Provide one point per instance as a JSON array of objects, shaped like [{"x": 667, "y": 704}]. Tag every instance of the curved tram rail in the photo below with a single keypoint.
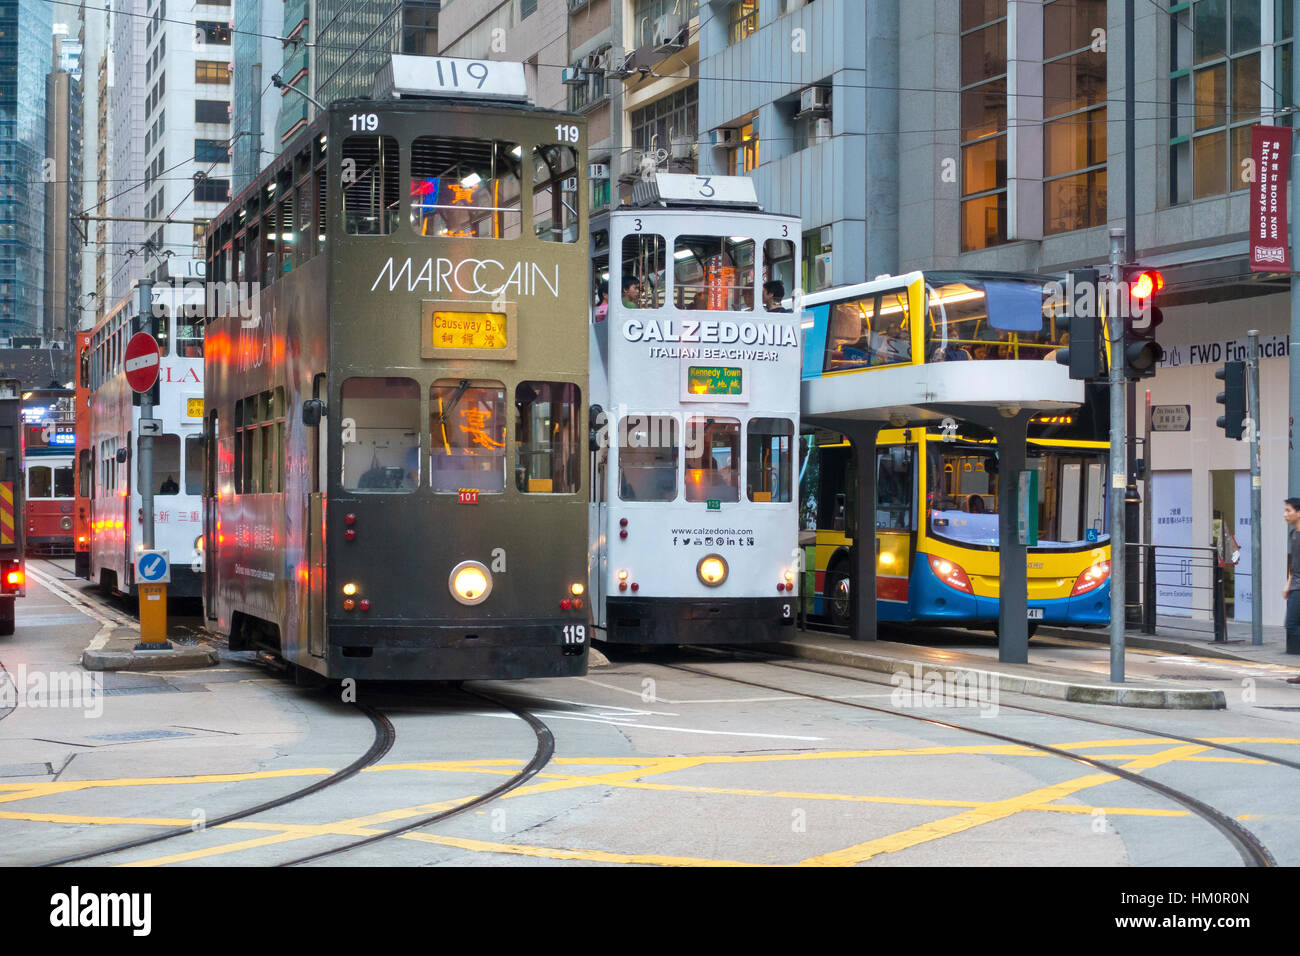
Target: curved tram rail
[{"x": 1251, "y": 850}]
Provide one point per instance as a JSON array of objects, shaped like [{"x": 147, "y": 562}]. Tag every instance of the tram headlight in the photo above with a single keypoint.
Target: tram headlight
[
  {"x": 198, "y": 543},
  {"x": 1091, "y": 579},
  {"x": 470, "y": 582},
  {"x": 712, "y": 570}
]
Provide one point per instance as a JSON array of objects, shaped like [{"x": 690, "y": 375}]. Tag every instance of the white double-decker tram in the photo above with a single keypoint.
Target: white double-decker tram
[
  {"x": 695, "y": 418},
  {"x": 116, "y": 510}
]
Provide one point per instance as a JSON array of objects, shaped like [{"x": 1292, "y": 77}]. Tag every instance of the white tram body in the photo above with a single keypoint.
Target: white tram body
[
  {"x": 695, "y": 418},
  {"x": 117, "y": 514}
]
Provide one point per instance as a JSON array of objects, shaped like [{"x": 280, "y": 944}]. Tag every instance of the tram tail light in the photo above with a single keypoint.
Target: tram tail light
[
  {"x": 14, "y": 579},
  {"x": 950, "y": 574},
  {"x": 364, "y": 604},
  {"x": 1091, "y": 579},
  {"x": 349, "y": 604},
  {"x": 566, "y": 604},
  {"x": 577, "y": 588}
]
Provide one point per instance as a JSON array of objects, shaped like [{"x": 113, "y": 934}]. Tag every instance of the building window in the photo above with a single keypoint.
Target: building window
[
  {"x": 210, "y": 31},
  {"x": 211, "y": 151},
  {"x": 211, "y": 111},
  {"x": 590, "y": 92},
  {"x": 817, "y": 273},
  {"x": 1231, "y": 64},
  {"x": 420, "y": 27},
  {"x": 744, "y": 158},
  {"x": 743, "y": 17},
  {"x": 670, "y": 120},
  {"x": 647, "y": 13},
  {"x": 211, "y": 71},
  {"x": 1074, "y": 114},
  {"x": 527, "y": 8},
  {"x": 983, "y": 123},
  {"x": 212, "y": 190}
]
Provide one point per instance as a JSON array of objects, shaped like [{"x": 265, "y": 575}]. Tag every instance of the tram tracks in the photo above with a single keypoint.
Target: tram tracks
[{"x": 1252, "y": 852}]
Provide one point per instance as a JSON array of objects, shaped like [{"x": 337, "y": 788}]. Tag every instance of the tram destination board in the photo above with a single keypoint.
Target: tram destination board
[
  {"x": 1171, "y": 418},
  {"x": 714, "y": 380}
]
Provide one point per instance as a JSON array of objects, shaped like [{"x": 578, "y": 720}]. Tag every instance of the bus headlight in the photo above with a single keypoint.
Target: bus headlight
[
  {"x": 1091, "y": 579},
  {"x": 712, "y": 570},
  {"x": 470, "y": 582}
]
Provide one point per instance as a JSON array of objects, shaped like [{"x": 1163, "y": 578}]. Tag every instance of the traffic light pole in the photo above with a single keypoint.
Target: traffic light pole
[
  {"x": 1118, "y": 458},
  {"x": 1256, "y": 505}
]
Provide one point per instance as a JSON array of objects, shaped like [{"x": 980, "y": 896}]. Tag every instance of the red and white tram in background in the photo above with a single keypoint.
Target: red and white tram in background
[
  {"x": 116, "y": 513},
  {"x": 48, "y": 439}
]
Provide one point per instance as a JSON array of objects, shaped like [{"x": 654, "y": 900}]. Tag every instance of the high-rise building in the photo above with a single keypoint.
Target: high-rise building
[
  {"x": 353, "y": 39},
  {"x": 257, "y": 55},
  {"x": 63, "y": 191},
  {"x": 124, "y": 117},
  {"x": 92, "y": 33},
  {"x": 25, "y": 53}
]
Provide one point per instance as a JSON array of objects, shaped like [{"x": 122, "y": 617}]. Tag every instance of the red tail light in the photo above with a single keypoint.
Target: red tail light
[
  {"x": 14, "y": 579},
  {"x": 1091, "y": 579},
  {"x": 950, "y": 574}
]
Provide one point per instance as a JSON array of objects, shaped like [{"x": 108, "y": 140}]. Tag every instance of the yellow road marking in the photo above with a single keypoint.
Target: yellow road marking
[{"x": 593, "y": 856}]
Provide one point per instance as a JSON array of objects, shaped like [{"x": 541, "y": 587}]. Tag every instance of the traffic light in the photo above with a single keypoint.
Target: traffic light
[
  {"x": 1232, "y": 398},
  {"x": 1141, "y": 351},
  {"x": 1083, "y": 355}
]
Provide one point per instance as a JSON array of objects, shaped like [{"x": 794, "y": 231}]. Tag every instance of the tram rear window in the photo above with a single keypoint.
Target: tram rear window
[
  {"x": 370, "y": 185},
  {"x": 769, "y": 458},
  {"x": 546, "y": 437},
  {"x": 466, "y": 187},
  {"x": 167, "y": 465},
  {"x": 779, "y": 264},
  {"x": 712, "y": 459},
  {"x": 468, "y": 436},
  {"x": 643, "y": 278},
  {"x": 381, "y": 434},
  {"x": 647, "y": 458},
  {"x": 193, "y": 465},
  {"x": 63, "y": 487},
  {"x": 714, "y": 273},
  {"x": 39, "y": 481},
  {"x": 555, "y": 193}
]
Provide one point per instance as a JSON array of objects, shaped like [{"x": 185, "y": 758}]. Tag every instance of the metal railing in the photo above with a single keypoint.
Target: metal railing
[{"x": 1161, "y": 564}]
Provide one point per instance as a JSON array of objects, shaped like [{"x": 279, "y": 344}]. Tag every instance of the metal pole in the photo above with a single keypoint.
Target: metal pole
[
  {"x": 1118, "y": 470},
  {"x": 144, "y": 480},
  {"x": 1129, "y": 580},
  {"x": 1149, "y": 549},
  {"x": 1256, "y": 504}
]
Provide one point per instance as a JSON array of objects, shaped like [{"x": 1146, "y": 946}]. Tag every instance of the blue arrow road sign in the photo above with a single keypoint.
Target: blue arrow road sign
[{"x": 152, "y": 567}]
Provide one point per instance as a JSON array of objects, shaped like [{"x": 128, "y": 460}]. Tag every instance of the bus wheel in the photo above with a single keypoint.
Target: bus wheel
[
  {"x": 837, "y": 595},
  {"x": 6, "y": 616}
]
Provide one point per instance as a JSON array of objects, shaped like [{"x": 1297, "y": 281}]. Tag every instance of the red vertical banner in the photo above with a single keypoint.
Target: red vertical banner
[{"x": 1270, "y": 237}]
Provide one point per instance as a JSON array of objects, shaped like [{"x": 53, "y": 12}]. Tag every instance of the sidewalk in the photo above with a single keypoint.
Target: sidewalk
[
  {"x": 924, "y": 666},
  {"x": 1181, "y": 635}
]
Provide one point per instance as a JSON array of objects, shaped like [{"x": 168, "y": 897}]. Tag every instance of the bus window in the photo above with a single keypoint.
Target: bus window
[
  {"x": 891, "y": 338},
  {"x": 194, "y": 464},
  {"x": 768, "y": 459},
  {"x": 546, "y": 437},
  {"x": 647, "y": 458},
  {"x": 167, "y": 465},
  {"x": 380, "y": 421},
  {"x": 894, "y": 480},
  {"x": 712, "y": 459},
  {"x": 555, "y": 193},
  {"x": 963, "y": 495},
  {"x": 467, "y": 436},
  {"x": 643, "y": 277},
  {"x": 39, "y": 481},
  {"x": 714, "y": 273},
  {"x": 63, "y": 482},
  {"x": 370, "y": 200},
  {"x": 778, "y": 263},
  {"x": 848, "y": 335},
  {"x": 466, "y": 187}
]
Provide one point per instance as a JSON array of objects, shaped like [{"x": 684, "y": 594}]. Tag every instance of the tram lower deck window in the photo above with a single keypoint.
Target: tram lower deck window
[
  {"x": 546, "y": 437},
  {"x": 647, "y": 458},
  {"x": 467, "y": 436},
  {"x": 768, "y": 457},
  {"x": 712, "y": 459},
  {"x": 381, "y": 434}
]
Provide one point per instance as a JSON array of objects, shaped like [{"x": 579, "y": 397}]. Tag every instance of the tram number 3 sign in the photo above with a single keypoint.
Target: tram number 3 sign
[{"x": 575, "y": 633}]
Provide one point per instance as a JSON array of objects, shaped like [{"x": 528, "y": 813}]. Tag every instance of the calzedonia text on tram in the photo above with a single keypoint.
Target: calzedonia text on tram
[
  {"x": 695, "y": 384},
  {"x": 395, "y": 386}
]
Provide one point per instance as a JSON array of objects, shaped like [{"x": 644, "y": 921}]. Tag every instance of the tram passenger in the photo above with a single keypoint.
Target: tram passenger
[
  {"x": 602, "y": 308},
  {"x": 631, "y": 292},
  {"x": 773, "y": 293},
  {"x": 169, "y": 486}
]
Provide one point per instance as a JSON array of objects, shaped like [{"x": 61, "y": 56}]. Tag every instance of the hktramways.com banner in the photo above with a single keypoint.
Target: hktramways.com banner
[{"x": 1270, "y": 238}]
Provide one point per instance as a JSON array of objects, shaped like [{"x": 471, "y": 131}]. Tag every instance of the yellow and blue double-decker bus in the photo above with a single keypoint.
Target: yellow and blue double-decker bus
[{"x": 936, "y": 515}]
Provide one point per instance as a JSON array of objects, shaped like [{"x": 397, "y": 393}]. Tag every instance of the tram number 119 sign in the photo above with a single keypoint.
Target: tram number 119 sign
[{"x": 141, "y": 361}]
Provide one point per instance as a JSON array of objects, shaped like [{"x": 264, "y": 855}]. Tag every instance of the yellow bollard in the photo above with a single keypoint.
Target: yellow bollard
[{"x": 153, "y": 617}]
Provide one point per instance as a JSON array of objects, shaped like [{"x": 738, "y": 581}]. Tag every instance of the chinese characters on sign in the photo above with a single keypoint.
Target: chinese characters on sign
[
  {"x": 469, "y": 330},
  {"x": 1270, "y": 153}
]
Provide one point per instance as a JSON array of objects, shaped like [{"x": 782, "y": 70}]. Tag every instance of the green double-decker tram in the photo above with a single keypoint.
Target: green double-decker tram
[{"x": 396, "y": 365}]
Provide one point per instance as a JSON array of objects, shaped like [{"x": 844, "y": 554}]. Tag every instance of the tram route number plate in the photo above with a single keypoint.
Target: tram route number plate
[
  {"x": 1035, "y": 614},
  {"x": 468, "y": 496},
  {"x": 575, "y": 633},
  {"x": 193, "y": 408}
]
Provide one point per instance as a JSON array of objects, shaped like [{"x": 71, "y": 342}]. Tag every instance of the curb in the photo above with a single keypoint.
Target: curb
[
  {"x": 1144, "y": 643},
  {"x": 178, "y": 657},
  {"x": 1147, "y": 697}
]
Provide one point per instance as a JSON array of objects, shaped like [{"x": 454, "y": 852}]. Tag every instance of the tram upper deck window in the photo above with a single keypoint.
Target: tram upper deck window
[
  {"x": 647, "y": 458},
  {"x": 555, "y": 193},
  {"x": 381, "y": 434},
  {"x": 779, "y": 266},
  {"x": 714, "y": 273},
  {"x": 869, "y": 332},
  {"x": 992, "y": 320},
  {"x": 370, "y": 185},
  {"x": 467, "y": 436},
  {"x": 713, "y": 459},
  {"x": 546, "y": 437},
  {"x": 164, "y": 336},
  {"x": 769, "y": 459},
  {"x": 644, "y": 278},
  {"x": 466, "y": 187},
  {"x": 189, "y": 334}
]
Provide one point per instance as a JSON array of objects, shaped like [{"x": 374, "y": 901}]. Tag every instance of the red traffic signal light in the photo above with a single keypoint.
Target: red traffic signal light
[{"x": 1146, "y": 284}]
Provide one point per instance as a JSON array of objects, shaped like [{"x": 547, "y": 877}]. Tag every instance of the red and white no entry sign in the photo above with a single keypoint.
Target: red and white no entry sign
[{"x": 141, "y": 361}]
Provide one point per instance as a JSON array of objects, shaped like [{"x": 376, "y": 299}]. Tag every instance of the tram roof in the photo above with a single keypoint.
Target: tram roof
[{"x": 687, "y": 191}]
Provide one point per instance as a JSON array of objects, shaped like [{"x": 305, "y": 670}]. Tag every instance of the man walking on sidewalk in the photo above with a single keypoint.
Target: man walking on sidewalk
[{"x": 1291, "y": 512}]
